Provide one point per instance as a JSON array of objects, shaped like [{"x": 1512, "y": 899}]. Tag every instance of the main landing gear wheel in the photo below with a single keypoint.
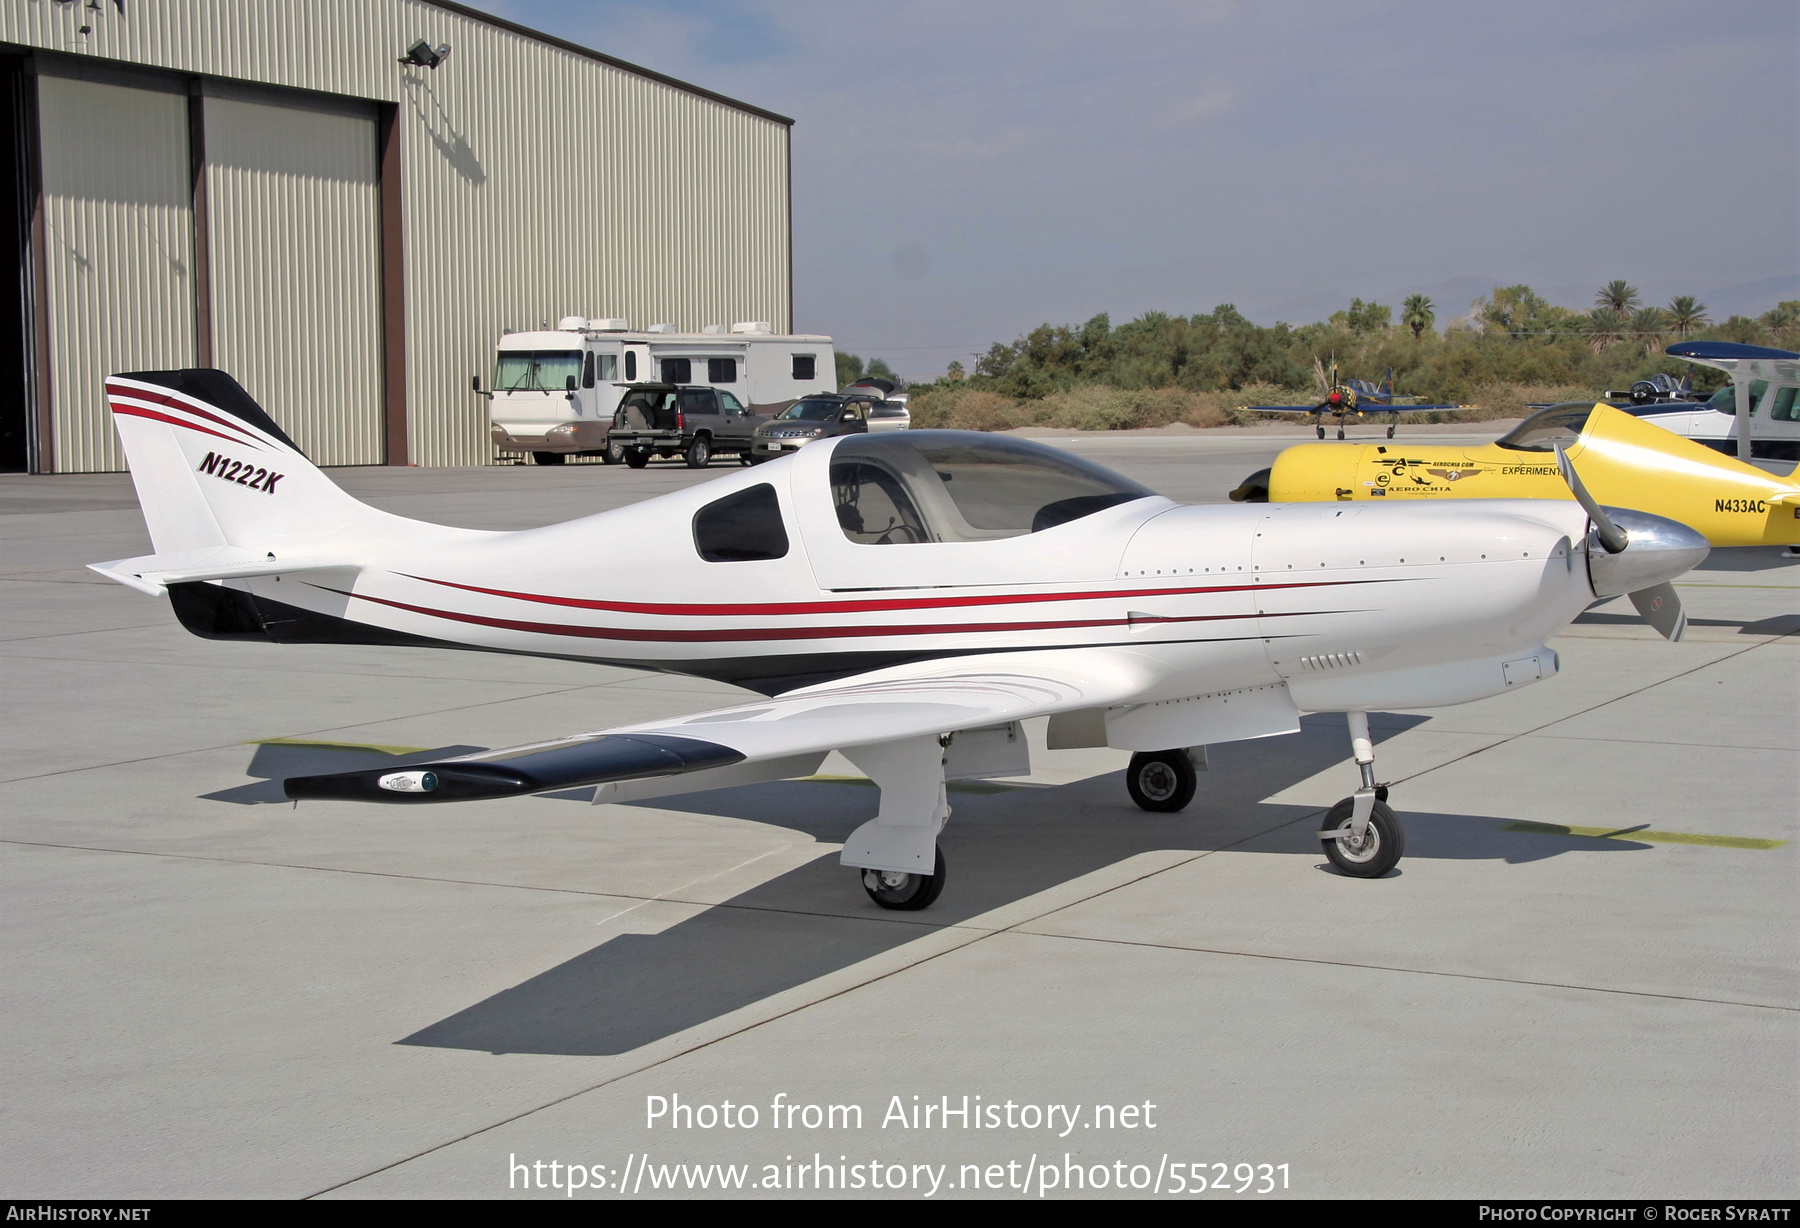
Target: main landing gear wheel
[
  {"x": 905, "y": 892},
  {"x": 636, "y": 458},
  {"x": 548, "y": 458},
  {"x": 1321, "y": 432},
  {"x": 1378, "y": 851},
  {"x": 1162, "y": 780},
  {"x": 699, "y": 452},
  {"x": 1390, "y": 432}
]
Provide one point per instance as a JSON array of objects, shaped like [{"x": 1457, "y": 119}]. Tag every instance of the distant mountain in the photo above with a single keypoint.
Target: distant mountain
[
  {"x": 1744, "y": 298},
  {"x": 1451, "y": 298},
  {"x": 1751, "y": 298}
]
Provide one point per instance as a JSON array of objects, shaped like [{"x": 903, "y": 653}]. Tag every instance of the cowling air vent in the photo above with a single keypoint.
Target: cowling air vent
[{"x": 1331, "y": 660}]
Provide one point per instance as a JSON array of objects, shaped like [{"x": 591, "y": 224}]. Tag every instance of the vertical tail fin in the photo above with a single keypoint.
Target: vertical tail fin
[{"x": 212, "y": 469}]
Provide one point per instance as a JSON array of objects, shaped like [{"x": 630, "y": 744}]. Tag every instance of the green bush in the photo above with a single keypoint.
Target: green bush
[{"x": 1513, "y": 348}]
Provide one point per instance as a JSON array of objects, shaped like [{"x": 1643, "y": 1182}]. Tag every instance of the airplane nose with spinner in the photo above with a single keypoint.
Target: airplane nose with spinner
[{"x": 1659, "y": 549}]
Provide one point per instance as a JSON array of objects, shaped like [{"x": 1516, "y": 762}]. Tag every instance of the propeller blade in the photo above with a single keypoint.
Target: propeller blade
[
  {"x": 1612, "y": 537},
  {"x": 1661, "y": 608}
]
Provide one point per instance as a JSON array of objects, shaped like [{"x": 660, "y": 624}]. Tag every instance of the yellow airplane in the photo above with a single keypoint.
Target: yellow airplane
[{"x": 1624, "y": 462}]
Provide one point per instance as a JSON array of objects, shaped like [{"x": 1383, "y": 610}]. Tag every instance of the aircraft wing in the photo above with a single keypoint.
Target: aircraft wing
[{"x": 929, "y": 698}]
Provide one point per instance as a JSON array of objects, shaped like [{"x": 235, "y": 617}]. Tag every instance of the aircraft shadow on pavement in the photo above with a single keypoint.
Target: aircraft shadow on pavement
[
  {"x": 1742, "y": 558},
  {"x": 273, "y": 762},
  {"x": 634, "y": 989},
  {"x": 1778, "y": 624}
]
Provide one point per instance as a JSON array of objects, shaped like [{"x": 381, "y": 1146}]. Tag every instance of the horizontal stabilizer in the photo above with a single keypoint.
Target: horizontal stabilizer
[
  {"x": 153, "y": 573},
  {"x": 592, "y": 760}
]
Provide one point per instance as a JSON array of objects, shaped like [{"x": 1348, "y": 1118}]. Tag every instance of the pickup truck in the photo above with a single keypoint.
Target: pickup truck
[{"x": 693, "y": 422}]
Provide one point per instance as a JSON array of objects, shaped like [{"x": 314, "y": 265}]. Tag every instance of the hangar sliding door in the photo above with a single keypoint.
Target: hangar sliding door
[
  {"x": 294, "y": 247},
  {"x": 118, "y": 248}
]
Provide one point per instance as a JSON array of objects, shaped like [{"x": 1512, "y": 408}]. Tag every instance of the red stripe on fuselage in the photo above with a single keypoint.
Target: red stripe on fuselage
[
  {"x": 739, "y": 634},
  {"x": 861, "y": 605}
]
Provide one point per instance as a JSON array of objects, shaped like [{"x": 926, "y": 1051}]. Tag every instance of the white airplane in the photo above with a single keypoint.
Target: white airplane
[
  {"x": 905, "y": 598},
  {"x": 1755, "y": 416}
]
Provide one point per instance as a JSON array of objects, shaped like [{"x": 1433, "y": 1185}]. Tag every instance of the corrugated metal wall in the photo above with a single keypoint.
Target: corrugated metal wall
[
  {"x": 536, "y": 181},
  {"x": 118, "y": 225},
  {"x": 295, "y": 253},
  {"x": 588, "y": 193}
]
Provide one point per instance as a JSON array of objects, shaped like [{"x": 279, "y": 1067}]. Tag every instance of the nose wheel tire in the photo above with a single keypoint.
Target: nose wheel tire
[
  {"x": 1162, "y": 780},
  {"x": 905, "y": 892},
  {"x": 1378, "y": 851}
]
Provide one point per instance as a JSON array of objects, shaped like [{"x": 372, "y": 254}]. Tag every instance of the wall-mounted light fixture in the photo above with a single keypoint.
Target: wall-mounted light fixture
[{"x": 423, "y": 55}]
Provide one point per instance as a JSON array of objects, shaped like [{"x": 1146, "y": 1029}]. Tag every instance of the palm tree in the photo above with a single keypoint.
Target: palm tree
[
  {"x": 1604, "y": 326},
  {"x": 1619, "y": 295},
  {"x": 1687, "y": 313},
  {"x": 1416, "y": 313},
  {"x": 1648, "y": 324},
  {"x": 1782, "y": 319}
]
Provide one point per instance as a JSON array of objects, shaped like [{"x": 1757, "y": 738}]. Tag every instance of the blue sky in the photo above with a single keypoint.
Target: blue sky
[{"x": 964, "y": 171}]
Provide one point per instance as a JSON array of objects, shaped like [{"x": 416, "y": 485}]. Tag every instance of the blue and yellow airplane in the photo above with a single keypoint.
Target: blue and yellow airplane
[{"x": 1351, "y": 396}]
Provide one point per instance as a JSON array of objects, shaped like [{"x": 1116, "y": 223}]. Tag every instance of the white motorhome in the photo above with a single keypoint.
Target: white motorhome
[{"x": 555, "y": 389}]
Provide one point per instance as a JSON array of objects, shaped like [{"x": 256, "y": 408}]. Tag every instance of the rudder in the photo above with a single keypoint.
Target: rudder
[{"x": 212, "y": 468}]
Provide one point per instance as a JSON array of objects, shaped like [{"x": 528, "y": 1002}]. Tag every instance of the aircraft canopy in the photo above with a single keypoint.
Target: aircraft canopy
[
  {"x": 1548, "y": 427},
  {"x": 960, "y": 486}
]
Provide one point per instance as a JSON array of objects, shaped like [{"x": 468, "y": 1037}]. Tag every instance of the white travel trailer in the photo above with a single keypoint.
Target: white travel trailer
[{"x": 555, "y": 389}]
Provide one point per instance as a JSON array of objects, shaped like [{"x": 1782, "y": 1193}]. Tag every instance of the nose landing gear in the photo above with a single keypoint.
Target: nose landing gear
[{"x": 1362, "y": 836}]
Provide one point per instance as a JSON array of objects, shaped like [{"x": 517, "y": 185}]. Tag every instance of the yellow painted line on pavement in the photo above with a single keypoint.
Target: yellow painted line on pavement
[{"x": 1650, "y": 837}]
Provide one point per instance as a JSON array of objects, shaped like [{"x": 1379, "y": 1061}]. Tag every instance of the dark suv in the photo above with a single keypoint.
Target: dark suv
[{"x": 689, "y": 421}]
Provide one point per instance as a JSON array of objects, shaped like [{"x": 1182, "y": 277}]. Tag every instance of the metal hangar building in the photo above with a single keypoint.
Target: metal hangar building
[{"x": 316, "y": 198}]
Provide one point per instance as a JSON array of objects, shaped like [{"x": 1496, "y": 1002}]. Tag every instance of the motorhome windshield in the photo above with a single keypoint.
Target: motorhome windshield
[
  {"x": 812, "y": 411},
  {"x": 532, "y": 371}
]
